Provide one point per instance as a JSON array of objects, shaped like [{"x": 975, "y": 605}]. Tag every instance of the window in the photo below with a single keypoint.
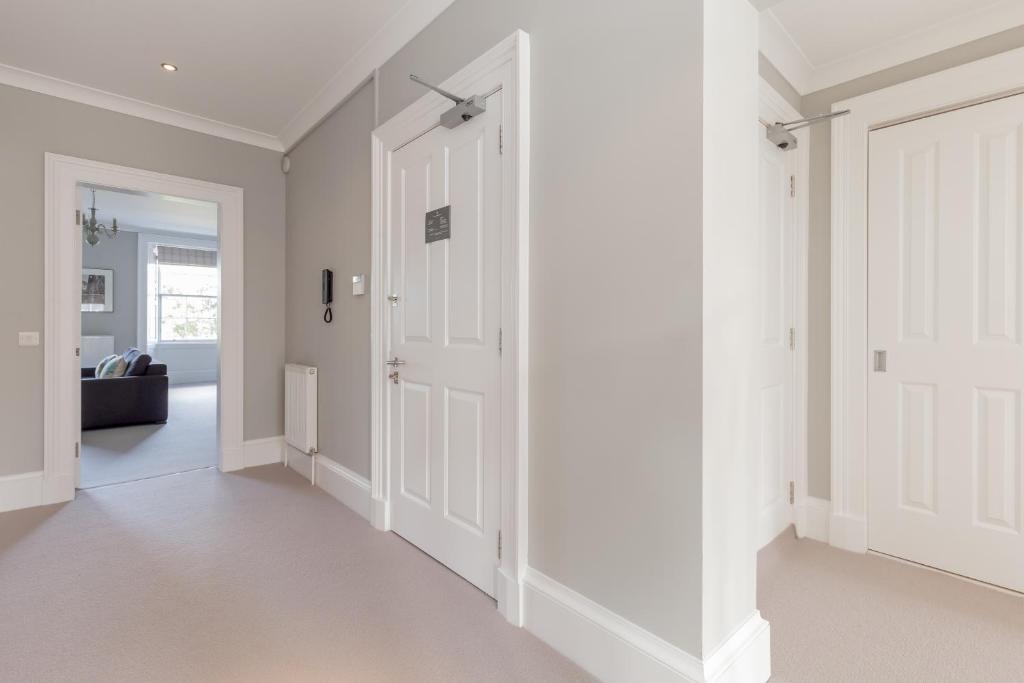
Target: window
[{"x": 187, "y": 286}]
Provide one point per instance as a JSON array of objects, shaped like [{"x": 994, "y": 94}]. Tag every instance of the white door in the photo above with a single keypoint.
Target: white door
[
  {"x": 945, "y": 292},
  {"x": 445, "y": 411},
  {"x": 775, "y": 380}
]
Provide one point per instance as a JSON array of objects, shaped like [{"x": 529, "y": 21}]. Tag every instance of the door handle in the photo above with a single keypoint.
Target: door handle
[
  {"x": 880, "y": 360},
  {"x": 394, "y": 362}
]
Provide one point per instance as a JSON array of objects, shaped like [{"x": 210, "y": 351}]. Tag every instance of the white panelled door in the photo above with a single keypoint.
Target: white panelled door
[
  {"x": 775, "y": 381},
  {"x": 444, "y": 417},
  {"x": 945, "y": 473}
]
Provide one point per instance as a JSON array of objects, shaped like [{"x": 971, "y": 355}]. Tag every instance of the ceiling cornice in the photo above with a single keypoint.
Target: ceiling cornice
[
  {"x": 415, "y": 16},
  {"x": 783, "y": 52},
  {"x": 47, "y": 85}
]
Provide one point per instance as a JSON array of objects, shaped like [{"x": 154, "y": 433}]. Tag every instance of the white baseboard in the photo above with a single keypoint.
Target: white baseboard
[
  {"x": 616, "y": 650},
  {"x": 19, "y": 491},
  {"x": 342, "y": 483},
  {"x": 848, "y": 533},
  {"x": 266, "y": 451},
  {"x": 812, "y": 518}
]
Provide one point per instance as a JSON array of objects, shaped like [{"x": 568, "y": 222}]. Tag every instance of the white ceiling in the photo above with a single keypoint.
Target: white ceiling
[
  {"x": 143, "y": 211},
  {"x": 833, "y": 41},
  {"x": 253, "y": 65}
]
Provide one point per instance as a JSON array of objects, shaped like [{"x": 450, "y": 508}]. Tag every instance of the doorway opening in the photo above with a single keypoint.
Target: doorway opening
[
  {"x": 63, "y": 240},
  {"x": 150, "y": 315}
]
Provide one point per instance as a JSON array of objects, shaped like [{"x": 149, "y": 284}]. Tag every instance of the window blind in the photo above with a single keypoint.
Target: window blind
[{"x": 183, "y": 256}]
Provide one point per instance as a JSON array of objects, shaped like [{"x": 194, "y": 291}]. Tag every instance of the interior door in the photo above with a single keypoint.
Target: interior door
[
  {"x": 444, "y": 414},
  {"x": 945, "y": 291},
  {"x": 775, "y": 381}
]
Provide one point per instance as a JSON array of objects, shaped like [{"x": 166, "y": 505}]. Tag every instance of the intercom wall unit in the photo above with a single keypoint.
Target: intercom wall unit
[{"x": 327, "y": 293}]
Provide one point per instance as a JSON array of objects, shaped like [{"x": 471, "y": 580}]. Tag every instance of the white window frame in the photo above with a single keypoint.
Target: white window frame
[{"x": 147, "y": 242}]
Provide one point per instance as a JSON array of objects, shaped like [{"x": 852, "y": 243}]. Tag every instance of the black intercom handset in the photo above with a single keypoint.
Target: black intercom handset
[{"x": 327, "y": 292}]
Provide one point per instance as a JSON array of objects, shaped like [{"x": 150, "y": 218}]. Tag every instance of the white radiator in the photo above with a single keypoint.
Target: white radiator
[{"x": 300, "y": 423}]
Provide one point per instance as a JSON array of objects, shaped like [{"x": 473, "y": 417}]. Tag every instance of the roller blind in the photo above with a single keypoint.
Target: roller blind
[{"x": 182, "y": 256}]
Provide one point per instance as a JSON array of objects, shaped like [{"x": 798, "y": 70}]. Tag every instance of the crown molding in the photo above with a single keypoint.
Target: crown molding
[
  {"x": 415, "y": 16},
  {"x": 66, "y": 90},
  {"x": 784, "y": 53}
]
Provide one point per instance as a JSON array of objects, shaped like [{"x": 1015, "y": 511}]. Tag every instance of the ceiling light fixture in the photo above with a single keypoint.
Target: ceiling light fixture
[
  {"x": 92, "y": 228},
  {"x": 166, "y": 66}
]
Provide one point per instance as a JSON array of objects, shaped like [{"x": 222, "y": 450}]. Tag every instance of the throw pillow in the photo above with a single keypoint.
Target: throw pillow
[
  {"x": 114, "y": 368},
  {"x": 103, "y": 364},
  {"x": 131, "y": 354},
  {"x": 138, "y": 367}
]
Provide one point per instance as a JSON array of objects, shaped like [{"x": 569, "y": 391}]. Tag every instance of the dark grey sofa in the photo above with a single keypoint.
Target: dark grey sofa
[{"x": 121, "y": 401}]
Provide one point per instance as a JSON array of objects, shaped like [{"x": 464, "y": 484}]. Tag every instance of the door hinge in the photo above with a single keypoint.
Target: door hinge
[
  {"x": 792, "y": 186},
  {"x": 499, "y": 544},
  {"x": 78, "y": 352},
  {"x": 792, "y": 493},
  {"x": 78, "y": 217},
  {"x": 792, "y": 339},
  {"x": 501, "y": 140},
  {"x": 499, "y": 341},
  {"x": 76, "y": 450}
]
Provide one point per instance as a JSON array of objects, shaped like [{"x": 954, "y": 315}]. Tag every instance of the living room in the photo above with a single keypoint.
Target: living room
[{"x": 149, "y": 330}]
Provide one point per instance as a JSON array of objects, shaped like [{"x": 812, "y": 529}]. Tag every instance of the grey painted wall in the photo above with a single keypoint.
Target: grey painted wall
[
  {"x": 34, "y": 124},
  {"x": 329, "y": 227},
  {"x": 120, "y": 255},
  {"x": 615, "y": 475},
  {"x": 819, "y": 304}
]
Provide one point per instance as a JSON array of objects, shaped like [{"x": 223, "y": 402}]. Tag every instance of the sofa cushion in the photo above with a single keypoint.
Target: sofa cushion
[
  {"x": 131, "y": 354},
  {"x": 101, "y": 366},
  {"x": 139, "y": 364},
  {"x": 114, "y": 368}
]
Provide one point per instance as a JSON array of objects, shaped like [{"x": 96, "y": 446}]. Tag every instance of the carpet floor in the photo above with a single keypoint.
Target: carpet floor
[
  {"x": 837, "y": 616},
  {"x": 253, "y": 577},
  {"x": 188, "y": 441}
]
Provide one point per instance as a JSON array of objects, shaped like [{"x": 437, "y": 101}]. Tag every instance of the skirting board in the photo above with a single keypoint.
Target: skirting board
[
  {"x": 342, "y": 483},
  {"x": 812, "y": 518},
  {"x": 266, "y": 451},
  {"x": 21, "y": 491},
  {"x": 616, "y": 650},
  {"x": 848, "y": 533}
]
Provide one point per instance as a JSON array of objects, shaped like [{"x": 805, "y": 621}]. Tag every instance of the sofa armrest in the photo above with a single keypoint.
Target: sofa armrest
[
  {"x": 88, "y": 372},
  {"x": 156, "y": 369}
]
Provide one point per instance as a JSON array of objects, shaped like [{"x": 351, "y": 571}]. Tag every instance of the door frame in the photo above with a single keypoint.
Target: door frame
[
  {"x": 972, "y": 83},
  {"x": 412, "y": 122},
  {"x": 774, "y": 107},
  {"x": 62, "y": 420}
]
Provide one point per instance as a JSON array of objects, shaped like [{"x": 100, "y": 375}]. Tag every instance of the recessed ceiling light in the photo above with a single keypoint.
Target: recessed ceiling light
[{"x": 168, "y": 67}]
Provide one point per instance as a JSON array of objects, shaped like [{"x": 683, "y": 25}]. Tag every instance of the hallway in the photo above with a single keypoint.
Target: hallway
[{"x": 249, "y": 577}]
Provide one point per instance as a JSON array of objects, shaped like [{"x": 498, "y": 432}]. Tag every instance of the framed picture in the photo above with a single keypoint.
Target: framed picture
[{"x": 97, "y": 290}]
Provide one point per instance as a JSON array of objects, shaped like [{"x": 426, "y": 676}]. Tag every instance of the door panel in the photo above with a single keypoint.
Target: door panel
[
  {"x": 944, "y": 418},
  {"x": 775, "y": 379},
  {"x": 445, "y": 409}
]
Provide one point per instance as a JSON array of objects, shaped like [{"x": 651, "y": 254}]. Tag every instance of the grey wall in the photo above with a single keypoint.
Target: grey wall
[
  {"x": 33, "y": 124},
  {"x": 615, "y": 440},
  {"x": 329, "y": 227},
  {"x": 120, "y": 255},
  {"x": 819, "y": 340}
]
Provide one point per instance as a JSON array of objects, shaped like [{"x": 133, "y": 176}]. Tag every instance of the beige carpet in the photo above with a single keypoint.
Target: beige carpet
[
  {"x": 244, "y": 577},
  {"x": 838, "y": 616},
  {"x": 188, "y": 441}
]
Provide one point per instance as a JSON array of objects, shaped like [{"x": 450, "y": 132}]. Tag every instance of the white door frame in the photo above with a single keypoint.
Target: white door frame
[
  {"x": 422, "y": 115},
  {"x": 62, "y": 419},
  {"x": 971, "y": 83},
  {"x": 774, "y": 107}
]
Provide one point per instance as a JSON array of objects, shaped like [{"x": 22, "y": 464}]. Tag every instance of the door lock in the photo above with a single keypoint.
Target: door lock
[
  {"x": 393, "y": 298},
  {"x": 393, "y": 376}
]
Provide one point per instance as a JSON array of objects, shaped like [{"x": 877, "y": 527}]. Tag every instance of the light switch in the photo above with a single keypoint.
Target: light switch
[
  {"x": 28, "y": 339},
  {"x": 358, "y": 285}
]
